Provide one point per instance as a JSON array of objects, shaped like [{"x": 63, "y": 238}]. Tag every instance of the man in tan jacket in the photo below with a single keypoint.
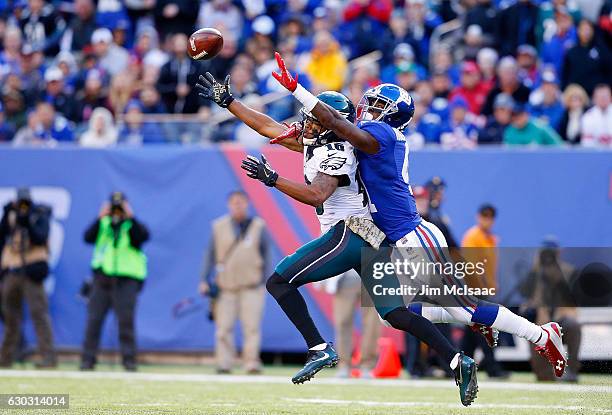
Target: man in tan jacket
[{"x": 234, "y": 270}]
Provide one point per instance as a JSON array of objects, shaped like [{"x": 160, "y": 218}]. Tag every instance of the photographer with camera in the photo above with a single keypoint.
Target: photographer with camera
[
  {"x": 24, "y": 256},
  {"x": 119, "y": 269}
]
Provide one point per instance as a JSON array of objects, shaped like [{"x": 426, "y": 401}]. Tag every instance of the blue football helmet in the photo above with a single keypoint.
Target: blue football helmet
[{"x": 387, "y": 103}]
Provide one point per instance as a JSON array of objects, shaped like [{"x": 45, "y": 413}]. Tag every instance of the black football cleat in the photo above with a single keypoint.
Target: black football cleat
[
  {"x": 316, "y": 360},
  {"x": 465, "y": 377}
]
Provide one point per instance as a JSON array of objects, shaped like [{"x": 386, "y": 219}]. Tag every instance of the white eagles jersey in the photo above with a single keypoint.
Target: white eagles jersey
[{"x": 349, "y": 199}]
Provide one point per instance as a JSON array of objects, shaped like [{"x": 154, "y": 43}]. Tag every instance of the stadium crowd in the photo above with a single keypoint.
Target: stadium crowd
[{"x": 480, "y": 71}]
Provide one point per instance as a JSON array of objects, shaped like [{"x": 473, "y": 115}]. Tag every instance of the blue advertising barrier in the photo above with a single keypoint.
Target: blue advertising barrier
[{"x": 178, "y": 191}]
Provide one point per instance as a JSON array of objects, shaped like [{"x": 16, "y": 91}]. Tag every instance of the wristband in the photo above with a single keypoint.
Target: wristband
[{"x": 305, "y": 97}]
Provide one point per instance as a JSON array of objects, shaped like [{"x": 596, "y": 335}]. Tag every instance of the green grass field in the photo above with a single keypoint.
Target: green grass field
[{"x": 195, "y": 390}]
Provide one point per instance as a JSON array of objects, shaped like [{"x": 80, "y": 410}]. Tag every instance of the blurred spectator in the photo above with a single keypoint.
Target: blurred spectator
[
  {"x": 54, "y": 93},
  {"x": 557, "y": 42},
  {"x": 146, "y": 48},
  {"x": 226, "y": 58},
  {"x": 441, "y": 84},
  {"x": 119, "y": 269},
  {"x": 575, "y": 103},
  {"x": 483, "y": 15},
  {"x": 42, "y": 26},
  {"x": 487, "y": 62},
  {"x": 326, "y": 66},
  {"x": 101, "y": 132},
  {"x": 422, "y": 21},
  {"x": 82, "y": 25},
  {"x": 516, "y": 26},
  {"x": 261, "y": 47},
  {"x": 508, "y": 82},
  {"x": 10, "y": 56},
  {"x": 527, "y": 61},
  {"x": 121, "y": 90},
  {"x": 426, "y": 121},
  {"x": 481, "y": 236},
  {"x": 120, "y": 28},
  {"x": 14, "y": 108},
  {"x": 45, "y": 127},
  {"x": 406, "y": 76},
  {"x": 588, "y": 63},
  {"x": 30, "y": 74},
  {"x": 90, "y": 97},
  {"x": 460, "y": 131},
  {"x": 493, "y": 131},
  {"x": 111, "y": 14},
  {"x": 151, "y": 101},
  {"x": 403, "y": 56},
  {"x": 176, "y": 78},
  {"x": 442, "y": 61},
  {"x": 67, "y": 63},
  {"x": 6, "y": 130},
  {"x": 346, "y": 289},
  {"x": 471, "y": 88},
  {"x": 365, "y": 21},
  {"x": 136, "y": 130},
  {"x": 175, "y": 16},
  {"x": 111, "y": 57},
  {"x": 525, "y": 131},
  {"x": 222, "y": 15},
  {"x": 234, "y": 267},
  {"x": 597, "y": 121},
  {"x": 398, "y": 35},
  {"x": 479, "y": 246},
  {"x": 24, "y": 253},
  {"x": 473, "y": 40},
  {"x": 436, "y": 191},
  {"x": 545, "y": 103},
  {"x": 548, "y": 17},
  {"x": 547, "y": 288}
]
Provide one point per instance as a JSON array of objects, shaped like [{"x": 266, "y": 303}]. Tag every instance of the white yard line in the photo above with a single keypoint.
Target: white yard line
[
  {"x": 446, "y": 405},
  {"x": 408, "y": 383}
]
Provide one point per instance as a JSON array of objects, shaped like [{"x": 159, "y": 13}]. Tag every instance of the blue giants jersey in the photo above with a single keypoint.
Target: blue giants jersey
[{"x": 385, "y": 178}]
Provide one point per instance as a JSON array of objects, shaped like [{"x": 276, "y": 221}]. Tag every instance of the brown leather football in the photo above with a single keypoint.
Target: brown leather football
[{"x": 205, "y": 44}]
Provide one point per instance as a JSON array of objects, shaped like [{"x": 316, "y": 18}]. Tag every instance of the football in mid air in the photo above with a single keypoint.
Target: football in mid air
[{"x": 205, "y": 44}]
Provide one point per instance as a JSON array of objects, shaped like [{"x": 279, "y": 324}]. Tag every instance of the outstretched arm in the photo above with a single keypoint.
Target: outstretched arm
[
  {"x": 264, "y": 125},
  {"x": 221, "y": 94},
  {"x": 314, "y": 194},
  {"x": 327, "y": 116}
]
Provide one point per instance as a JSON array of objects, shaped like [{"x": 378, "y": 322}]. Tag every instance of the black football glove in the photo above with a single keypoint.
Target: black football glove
[
  {"x": 211, "y": 89},
  {"x": 260, "y": 170}
]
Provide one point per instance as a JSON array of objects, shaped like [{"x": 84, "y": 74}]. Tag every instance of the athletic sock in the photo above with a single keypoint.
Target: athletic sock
[
  {"x": 437, "y": 314},
  {"x": 424, "y": 330},
  {"x": 511, "y": 323},
  {"x": 295, "y": 308},
  {"x": 455, "y": 362},
  {"x": 318, "y": 347}
]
